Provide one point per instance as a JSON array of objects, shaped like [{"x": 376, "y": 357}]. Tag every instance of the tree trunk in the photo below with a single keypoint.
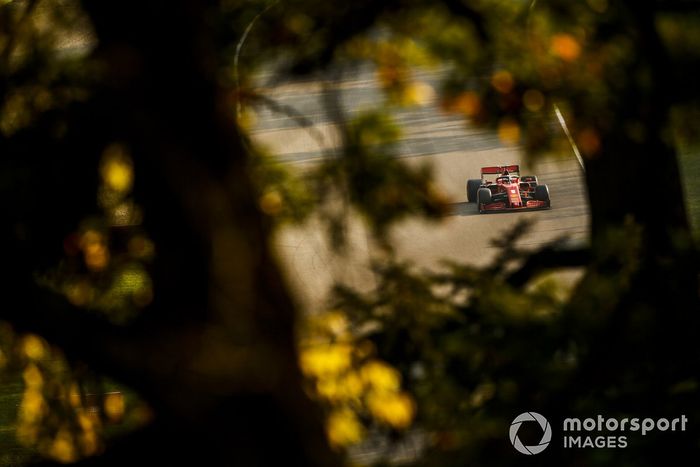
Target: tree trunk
[
  {"x": 635, "y": 313},
  {"x": 215, "y": 353}
]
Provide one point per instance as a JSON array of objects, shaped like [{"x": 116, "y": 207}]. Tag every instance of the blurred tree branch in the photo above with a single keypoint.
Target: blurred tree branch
[
  {"x": 214, "y": 353},
  {"x": 677, "y": 6},
  {"x": 218, "y": 290},
  {"x": 548, "y": 258}
]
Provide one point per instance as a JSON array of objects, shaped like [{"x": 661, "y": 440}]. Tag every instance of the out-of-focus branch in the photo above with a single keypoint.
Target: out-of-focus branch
[
  {"x": 81, "y": 335},
  {"x": 461, "y": 9},
  {"x": 17, "y": 30},
  {"x": 548, "y": 258},
  {"x": 351, "y": 20},
  {"x": 222, "y": 316},
  {"x": 359, "y": 17},
  {"x": 298, "y": 117},
  {"x": 677, "y": 6}
]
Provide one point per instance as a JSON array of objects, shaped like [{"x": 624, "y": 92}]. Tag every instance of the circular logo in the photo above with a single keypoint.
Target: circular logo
[{"x": 546, "y": 433}]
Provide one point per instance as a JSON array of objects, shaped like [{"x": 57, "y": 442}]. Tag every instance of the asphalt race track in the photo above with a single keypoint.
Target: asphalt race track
[{"x": 456, "y": 151}]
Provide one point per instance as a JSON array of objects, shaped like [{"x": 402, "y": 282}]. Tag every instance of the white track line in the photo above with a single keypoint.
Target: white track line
[{"x": 564, "y": 127}]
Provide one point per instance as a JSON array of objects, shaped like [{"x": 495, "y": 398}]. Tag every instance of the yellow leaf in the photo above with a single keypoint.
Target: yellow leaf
[
  {"x": 380, "y": 376},
  {"x": 344, "y": 428},
  {"x": 62, "y": 448},
  {"x": 33, "y": 347},
  {"x": 326, "y": 359},
  {"x": 346, "y": 388},
  {"x": 89, "y": 443},
  {"x": 418, "y": 93},
  {"x": 395, "y": 409},
  {"x": 32, "y": 377},
  {"x": 114, "y": 405},
  {"x": 32, "y": 406}
]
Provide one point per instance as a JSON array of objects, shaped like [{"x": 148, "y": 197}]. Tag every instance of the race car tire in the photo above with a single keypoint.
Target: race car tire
[
  {"x": 472, "y": 188},
  {"x": 529, "y": 179},
  {"x": 483, "y": 196},
  {"x": 542, "y": 193}
]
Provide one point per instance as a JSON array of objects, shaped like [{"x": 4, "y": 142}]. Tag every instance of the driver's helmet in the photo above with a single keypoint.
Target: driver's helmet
[{"x": 503, "y": 180}]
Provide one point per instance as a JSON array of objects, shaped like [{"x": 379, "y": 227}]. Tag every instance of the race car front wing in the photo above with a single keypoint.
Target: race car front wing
[{"x": 501, "y": 206}]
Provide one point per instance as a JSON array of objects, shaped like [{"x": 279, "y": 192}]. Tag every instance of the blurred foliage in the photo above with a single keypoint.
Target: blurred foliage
[
  {"x": 474, "y": 350},
  {"x": 65, "y": 408},
  {"x": 105, "y": 267},
  {"x": 456, "y": 353},
  {"x": 283, "y": 195},
  {"x": 378, "y": 185},
  {"x": 49, "y": 35},
  {"x": 360, "y": 392},
  {"x": 395, "y": 58}
]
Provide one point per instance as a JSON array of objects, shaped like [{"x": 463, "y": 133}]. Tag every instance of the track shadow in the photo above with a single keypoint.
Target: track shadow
[
  {"x": 469, "y": 209},
  {"x": 463, "y": 209}
]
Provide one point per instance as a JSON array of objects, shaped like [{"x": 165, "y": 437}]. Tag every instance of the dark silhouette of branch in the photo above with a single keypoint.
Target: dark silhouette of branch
[
  {"x": 677, "y": 6},
  {"x": 546, "y": 259},
  {"x": 463, "y": 10}
]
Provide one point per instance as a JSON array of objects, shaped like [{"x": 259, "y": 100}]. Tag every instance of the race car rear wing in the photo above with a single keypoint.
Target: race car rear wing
[{"x": 498, "y": 170}]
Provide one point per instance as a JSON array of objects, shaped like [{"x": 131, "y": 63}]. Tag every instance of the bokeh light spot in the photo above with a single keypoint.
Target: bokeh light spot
[
  {"x": 502, "y": 81},
  {"x": 467, "y": 103},
  {"x": 589, "y": 142},
  {"x": 34, "y": 347},
  {"x": 116, "y": 169},
  {"x": 509, "y": 131},
  {"x": 533, "y": 100},
  {"x": 271, "y": 203},
  {"x": 565, "y": 47}
]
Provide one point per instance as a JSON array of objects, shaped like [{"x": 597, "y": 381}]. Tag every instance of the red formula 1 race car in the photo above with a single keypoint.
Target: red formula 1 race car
[{"x": 502, "y": 188}]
